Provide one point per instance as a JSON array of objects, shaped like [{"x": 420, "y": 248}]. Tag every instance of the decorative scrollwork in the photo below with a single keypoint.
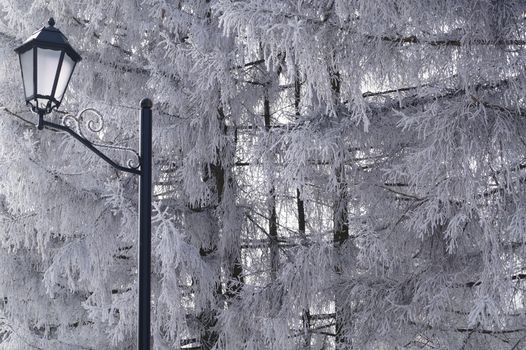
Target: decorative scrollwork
[
  {"x": 80, "y": 123},
  {"x": 91, "y": 120},
  {"x": 132, "y": 163},
  {"x": 96, "y": 125}
]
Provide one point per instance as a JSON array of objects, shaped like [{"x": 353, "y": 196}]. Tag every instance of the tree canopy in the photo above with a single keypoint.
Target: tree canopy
[{"x": 342, "y": 174}]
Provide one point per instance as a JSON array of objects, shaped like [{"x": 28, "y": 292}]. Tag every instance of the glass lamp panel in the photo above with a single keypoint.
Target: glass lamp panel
[
  {"x": 42, "y": 103},
  {"x": 26, "y": 64},
  {"x": 65, "y": 73},
  {"x": 47, "y": 63}
]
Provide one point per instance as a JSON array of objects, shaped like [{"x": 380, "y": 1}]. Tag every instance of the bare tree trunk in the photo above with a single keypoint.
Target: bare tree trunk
[
  {"x": 273, "y": 218},
  {"x": 341, "y": 234},
  {"x": 208, "y": 318},
  {"x": 305, "y": 317},
  {"x": 341, "y": 228},
  {"x": 235, "y": 283}
]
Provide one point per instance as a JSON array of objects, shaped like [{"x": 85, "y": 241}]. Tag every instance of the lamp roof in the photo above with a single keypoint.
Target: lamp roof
[{"x": 49, "y": 38}]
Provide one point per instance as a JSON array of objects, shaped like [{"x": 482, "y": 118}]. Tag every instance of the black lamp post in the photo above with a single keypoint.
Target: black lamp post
[{"x": 47, "y": 61}]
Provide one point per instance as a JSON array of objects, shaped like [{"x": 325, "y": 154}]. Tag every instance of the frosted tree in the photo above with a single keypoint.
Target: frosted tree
[
  {"x": 417, "y": 85},
  {"x": 329, "y": 175}
]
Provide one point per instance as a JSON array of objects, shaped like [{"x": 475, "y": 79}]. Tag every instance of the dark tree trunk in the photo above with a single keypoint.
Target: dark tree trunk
[
  {"x": 273, "y": 218},
  {"x": 341, "y": 226}
]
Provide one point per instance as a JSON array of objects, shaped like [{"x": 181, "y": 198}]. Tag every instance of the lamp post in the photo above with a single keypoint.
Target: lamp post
[{"x": 47, "y": 61}]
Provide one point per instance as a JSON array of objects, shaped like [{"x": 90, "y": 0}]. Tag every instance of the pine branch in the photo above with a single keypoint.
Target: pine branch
[
  {"x": 517, "y": 277},
  {"x": 488, "y": 331},
  {"x": 412, "y": 39}
]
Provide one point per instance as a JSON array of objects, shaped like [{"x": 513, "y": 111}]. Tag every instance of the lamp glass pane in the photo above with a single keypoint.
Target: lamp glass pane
[
  {"x": 42, "y": 103},
  {"x": 47, "y": 63},
  {"x": 26, "y": 63},
  {"x": 63, "y": 79}
]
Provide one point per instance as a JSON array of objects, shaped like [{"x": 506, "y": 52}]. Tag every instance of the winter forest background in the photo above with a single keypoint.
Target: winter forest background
[{"x": 329, "y": 174}]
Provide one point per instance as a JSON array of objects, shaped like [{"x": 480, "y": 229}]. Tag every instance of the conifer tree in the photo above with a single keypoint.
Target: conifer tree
[{"x": 328, "y": 175}]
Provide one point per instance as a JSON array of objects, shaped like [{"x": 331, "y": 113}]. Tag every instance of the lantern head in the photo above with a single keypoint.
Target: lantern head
[{"x": 47, "y": 61}]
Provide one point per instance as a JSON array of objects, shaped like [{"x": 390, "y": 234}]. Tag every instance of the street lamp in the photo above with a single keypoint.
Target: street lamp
[{"x": 47, "y": 61}]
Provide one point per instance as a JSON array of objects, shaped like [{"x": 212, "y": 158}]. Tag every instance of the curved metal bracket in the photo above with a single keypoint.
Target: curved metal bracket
[
  {"x": 94, "y": 127},
  {"x": 94, "y": 123}
]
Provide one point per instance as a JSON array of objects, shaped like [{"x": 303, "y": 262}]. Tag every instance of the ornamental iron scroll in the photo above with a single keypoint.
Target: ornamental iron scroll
[
  {"x": 91, "y": 121},
  {"x": 79, "y": 122}
]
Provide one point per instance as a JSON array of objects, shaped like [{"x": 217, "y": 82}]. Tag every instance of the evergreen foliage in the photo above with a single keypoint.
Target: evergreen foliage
[{"x": 342, "y": 174}]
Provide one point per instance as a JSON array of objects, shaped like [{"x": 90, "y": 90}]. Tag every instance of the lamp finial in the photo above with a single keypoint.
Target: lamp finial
[{"x": 51, "y": 22}]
